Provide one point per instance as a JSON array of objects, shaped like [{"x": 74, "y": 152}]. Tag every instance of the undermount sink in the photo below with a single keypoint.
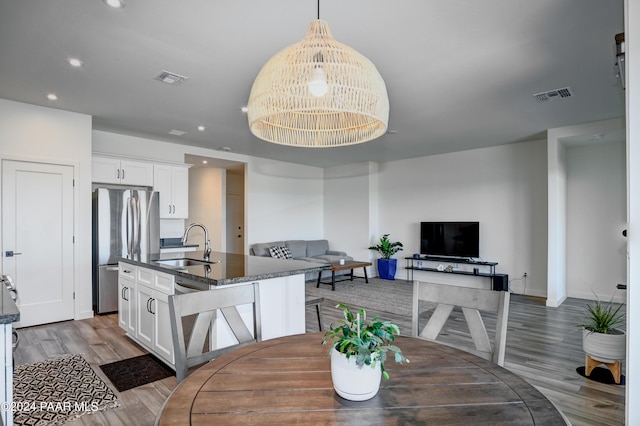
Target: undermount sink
[{"x": 184, "y": 262}]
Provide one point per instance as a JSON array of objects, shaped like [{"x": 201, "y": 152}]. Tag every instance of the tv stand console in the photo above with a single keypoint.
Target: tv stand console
[{"x": 457, "y": 266}]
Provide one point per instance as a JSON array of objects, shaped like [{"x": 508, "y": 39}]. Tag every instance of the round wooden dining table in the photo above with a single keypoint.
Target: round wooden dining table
[{"x": 288, "y": 381}]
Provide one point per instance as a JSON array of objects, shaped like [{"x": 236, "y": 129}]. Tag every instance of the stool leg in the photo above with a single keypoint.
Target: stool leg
[{"x": 319, "y": 316}]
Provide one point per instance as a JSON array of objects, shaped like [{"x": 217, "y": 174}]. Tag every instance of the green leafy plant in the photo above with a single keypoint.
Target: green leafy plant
[
  {"x": 387, "y": 248},
  {"x": 603, "y": 317},
  {"x": 355, "y": 336}
]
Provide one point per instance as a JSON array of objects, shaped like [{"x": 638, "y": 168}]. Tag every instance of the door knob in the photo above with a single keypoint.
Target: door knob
[{"x": 11, "y": 253}]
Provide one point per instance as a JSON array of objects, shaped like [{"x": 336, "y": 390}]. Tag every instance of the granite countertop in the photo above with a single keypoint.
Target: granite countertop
[
  {"x": 8, "y": 309},
  {"x": 228, "y": 268}
]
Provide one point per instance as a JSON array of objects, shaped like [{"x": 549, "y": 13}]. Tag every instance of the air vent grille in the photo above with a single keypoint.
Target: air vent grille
[
  {"x": 170, "y": 78},
  {"x": 562, "y": 93}
]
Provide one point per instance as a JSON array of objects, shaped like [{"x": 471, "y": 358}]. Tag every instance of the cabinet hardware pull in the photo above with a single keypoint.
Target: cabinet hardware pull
[
  {"x": 151, "y": 306},
  {"x": 122, "y": 173},
  {"x": 118, "y": 173}
]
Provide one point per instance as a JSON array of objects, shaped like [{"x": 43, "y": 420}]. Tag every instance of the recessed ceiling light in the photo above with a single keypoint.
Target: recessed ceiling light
[
  {"x": 74, "y": 62},
  {"x": 204, "y": 161},
  {"x": 244, "y": 109},
  {"x": 116, "y": 4},
  {"x": 52, "y": 97},
  {"x": 201, "y": 128}
]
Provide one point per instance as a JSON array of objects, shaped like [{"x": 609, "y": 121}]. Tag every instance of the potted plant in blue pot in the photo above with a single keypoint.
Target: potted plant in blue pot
[{"x": 386, "y": 265}]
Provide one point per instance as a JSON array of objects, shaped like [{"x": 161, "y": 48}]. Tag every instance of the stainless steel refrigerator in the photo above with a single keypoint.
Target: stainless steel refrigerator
[{"x": 126, "y": 223}]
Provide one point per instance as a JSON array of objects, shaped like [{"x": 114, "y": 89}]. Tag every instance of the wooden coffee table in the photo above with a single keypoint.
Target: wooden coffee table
[{"x": 348, "y": 264}]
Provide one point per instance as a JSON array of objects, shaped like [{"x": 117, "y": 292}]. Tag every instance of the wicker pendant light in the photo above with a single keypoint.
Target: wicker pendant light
[{"x": 318, "y": 93}]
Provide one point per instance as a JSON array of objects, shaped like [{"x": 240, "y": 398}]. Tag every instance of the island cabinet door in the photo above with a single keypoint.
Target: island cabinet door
[
  {"x": 163, "y": 342},
  {"x": 127, "y": 305},
  {"x": 146, "y": 320}
]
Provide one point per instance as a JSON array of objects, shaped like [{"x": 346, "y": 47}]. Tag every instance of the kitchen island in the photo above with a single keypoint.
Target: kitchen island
[{"x": 145, "y": 285}]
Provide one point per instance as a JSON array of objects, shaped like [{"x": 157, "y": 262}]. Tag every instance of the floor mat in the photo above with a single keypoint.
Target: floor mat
[
  {"x": 137, "y": 371},
  {"x": 55, "y": 391}
]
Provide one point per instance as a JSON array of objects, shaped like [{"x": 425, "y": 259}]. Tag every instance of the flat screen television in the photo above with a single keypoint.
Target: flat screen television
[{"x": 455, "y": 239}]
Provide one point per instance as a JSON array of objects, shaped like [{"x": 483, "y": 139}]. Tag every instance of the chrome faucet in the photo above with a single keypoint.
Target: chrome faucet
[{"x": 207, "y": 243}]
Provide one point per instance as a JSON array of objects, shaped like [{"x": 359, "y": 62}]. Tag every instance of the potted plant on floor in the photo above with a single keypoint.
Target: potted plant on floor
[
  {"x": 358, "y": 352},
  {"x": 386, "y": 265},
  {"x": 602, "y": 337}
]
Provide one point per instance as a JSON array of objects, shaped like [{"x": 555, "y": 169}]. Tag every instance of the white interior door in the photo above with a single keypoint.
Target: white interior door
[
  {"x": 235, "y": 224},
  {"x": 37, "y": 226}
]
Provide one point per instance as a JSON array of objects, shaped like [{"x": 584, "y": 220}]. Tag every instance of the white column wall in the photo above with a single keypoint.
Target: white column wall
[
  {"x": 632, "y": 36},
  {"x": 33, "y": 133}
]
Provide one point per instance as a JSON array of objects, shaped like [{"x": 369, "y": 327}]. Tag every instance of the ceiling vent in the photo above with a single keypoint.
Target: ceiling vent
[
  {"x": 170, "y": 78},
  {"x": 177, "y": 132},
  {"x": 562, "y": 93}
]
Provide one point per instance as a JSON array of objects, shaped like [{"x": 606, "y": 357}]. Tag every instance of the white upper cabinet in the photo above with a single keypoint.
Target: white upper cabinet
[
  {"x": 172, "y": 183},
  {"x": 120, "y": 171}
]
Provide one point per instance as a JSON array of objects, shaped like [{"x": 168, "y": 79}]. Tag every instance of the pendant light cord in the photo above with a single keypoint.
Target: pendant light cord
[{"x": 318, "y": 9}]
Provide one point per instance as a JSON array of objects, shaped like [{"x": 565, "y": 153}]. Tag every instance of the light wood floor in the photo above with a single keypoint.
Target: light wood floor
[{"x": 544, "y": 346}]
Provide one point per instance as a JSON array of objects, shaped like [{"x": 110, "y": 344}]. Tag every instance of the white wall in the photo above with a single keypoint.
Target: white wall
[
  {"x": 206, "y": 205},
  {"x": 558, "y": 140},
  {"x": 284, "y": 201},
  {"x": 33, "y": 133},
  {"x": 348, "y": 221},
  {"x": 596, "y": 212},
  {"x": 504, "y": 188}
]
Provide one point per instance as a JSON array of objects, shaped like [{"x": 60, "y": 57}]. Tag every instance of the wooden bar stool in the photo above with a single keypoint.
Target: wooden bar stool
[{"x": 316, "y": 301}]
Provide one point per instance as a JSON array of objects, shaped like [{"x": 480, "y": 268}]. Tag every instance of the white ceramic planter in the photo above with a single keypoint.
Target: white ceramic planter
[
  {"x": 352, "y": 382},
  {"x": 604, "y": 347}
]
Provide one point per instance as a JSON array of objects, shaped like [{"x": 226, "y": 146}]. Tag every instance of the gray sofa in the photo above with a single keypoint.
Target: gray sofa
[{"x": 310, "y": 250}]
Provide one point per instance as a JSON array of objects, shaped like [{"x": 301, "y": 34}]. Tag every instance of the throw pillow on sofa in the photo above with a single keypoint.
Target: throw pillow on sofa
[{"x": 280, "y": 253}]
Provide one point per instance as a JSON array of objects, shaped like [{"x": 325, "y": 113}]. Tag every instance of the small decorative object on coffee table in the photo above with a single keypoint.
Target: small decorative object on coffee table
[
  {"x": 343, "y": 265},
  {"x": 358, "y": 352}
]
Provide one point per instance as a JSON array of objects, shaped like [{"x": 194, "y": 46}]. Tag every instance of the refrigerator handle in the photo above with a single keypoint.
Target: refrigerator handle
[
  {"x": 136, "y": 224},
  {"x": 129, "y": 227}
]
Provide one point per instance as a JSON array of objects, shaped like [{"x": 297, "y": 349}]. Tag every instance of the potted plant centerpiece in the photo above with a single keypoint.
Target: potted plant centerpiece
[
  {"x": 358, "y": 352},
  {"x": 602, "y": 338},
  {"x": 386, "y": 265}
]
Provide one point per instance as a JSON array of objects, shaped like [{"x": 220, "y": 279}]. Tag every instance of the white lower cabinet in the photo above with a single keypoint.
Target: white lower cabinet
[
  {"x": 127, "y": 305},
  {"x": 144, "y": 311}
]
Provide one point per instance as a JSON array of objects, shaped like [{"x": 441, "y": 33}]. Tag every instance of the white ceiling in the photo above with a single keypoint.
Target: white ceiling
[{"x": 460, "y": 73}]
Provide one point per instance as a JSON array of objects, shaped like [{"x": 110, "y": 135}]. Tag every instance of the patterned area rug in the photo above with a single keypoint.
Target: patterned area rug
[
  {"x": 55, "y": 391},
  {"x": 393, "y": 296},
  {"x": 137, "y": 371}
]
